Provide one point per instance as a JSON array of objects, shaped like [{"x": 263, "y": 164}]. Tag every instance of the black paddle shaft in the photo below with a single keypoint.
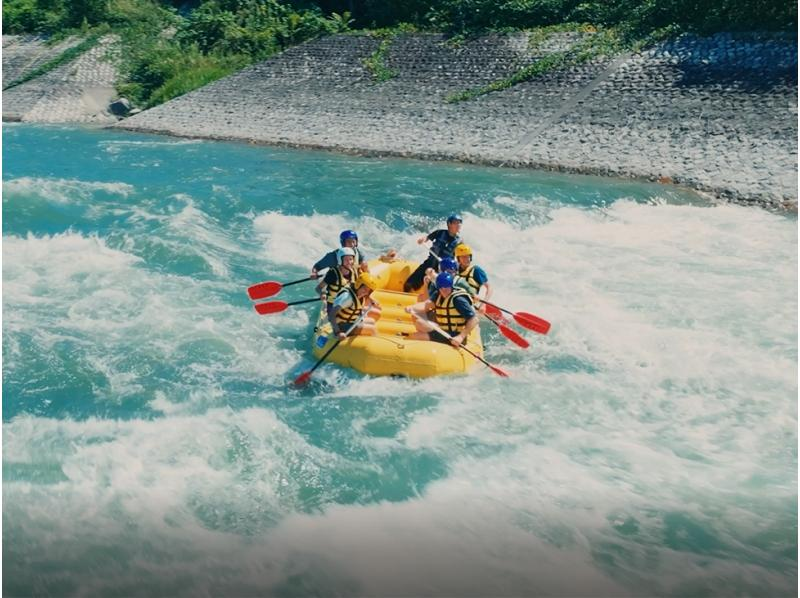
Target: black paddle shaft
[
  {"x": 303, "y": 301},
  {"x": 338, "y": 340}
]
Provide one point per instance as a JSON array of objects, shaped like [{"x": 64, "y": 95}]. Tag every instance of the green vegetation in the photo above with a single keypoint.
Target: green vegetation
[
  {"x": 375, "y": 63},
  {"x": 166, "y": 52},
  {"x": 594, "y": 44}
]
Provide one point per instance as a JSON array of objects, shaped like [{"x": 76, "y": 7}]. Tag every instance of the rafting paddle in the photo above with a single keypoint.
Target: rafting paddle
[
  {"x": 262, "y": 290},
  {"x": 276, "y": 307},
  {"x": 494, "y": 368},
  {"x": 306, "y": 376},
  {"x": 522, "y": 318},
  {"x": 509, "y": 334}
]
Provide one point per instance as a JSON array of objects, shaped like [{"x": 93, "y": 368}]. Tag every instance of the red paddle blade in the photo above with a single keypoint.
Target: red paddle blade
[
  {"x": 263, "y": 290},
  {"x": 532, "y": 322},
  {"x": 498, "y": 371},
  {"x": 302, "y": 379},
  {"x": 271, "y": 307},
  {"x": 496, "y": 314},
  {"x": 514, "y": 337},
  {"x": 491, "y": 310}
]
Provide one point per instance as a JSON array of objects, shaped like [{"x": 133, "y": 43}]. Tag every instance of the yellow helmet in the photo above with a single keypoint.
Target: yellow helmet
[
  {"x": 463, "y": 249},
  {"x": 365, "y": 278}
]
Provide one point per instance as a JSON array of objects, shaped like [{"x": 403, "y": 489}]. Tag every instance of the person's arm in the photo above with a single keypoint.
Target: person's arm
[
  {"x": 429, "y": 237},
  {"x": 458, "y": 339},
  {"x": 330, "y": 278},
  {"x": 342, "y": 301},
  {"x": 328, "y": 261},
  {"x": 389, "y": 256},
  {"x": 485, "y": 290},
  {"x": 464, "y": 307},
  {"x": 419, "y": 308}
]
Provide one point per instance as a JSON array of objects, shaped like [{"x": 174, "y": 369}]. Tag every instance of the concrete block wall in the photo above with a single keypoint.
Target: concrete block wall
[
  {"x": 718, "y": 114},
  {"x": 75, "y": 92}
]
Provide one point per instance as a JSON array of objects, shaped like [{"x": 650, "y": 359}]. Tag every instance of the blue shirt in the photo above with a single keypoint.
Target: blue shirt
[
  {"x": 444, "y": 244},
  {"x": 464, "y": 306},
  {"x": 479, "y": 275}
]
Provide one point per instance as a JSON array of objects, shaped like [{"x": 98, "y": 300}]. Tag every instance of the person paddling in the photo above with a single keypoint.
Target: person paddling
[
  {"x": 444, "y": 242},
  {"x": 454, "y": 314},
  {"x": 350, "y": 302},
  {"x": 348, "y": 238},
  {"x": 339, "y": 277},
  {"x": 473, "y": 275}
]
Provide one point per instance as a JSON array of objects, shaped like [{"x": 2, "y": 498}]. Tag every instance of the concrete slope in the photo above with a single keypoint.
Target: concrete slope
[
  {"x": 717, "y": 114},
  {"x": 75, "y": 92}
]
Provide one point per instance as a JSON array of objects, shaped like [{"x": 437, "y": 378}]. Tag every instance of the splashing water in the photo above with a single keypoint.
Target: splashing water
[{"x": 152, "y": 446}]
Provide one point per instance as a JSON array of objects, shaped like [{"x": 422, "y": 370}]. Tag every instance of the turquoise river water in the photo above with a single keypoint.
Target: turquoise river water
[{"x": 153, "y": 446}]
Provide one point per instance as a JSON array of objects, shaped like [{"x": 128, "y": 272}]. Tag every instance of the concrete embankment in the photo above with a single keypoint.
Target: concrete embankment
[
  {"x": 78, "y": 91},
  {"x": 716, "y": 114}
]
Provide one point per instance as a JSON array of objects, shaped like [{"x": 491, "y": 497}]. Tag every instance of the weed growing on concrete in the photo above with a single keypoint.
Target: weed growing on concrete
[
  {"x": 66, "y": 56},
  {"x": 592, "y": 44}
]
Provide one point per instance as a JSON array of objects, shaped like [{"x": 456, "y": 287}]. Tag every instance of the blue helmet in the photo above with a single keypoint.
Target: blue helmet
[
  {"x": 347, "y": 234},
  {"x": 447, "y": 263},
  {"x": 454, "y": 218},
  {"x": 444, "y": 280}
]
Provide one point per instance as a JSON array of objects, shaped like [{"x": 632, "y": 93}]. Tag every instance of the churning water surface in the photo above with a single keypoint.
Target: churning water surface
[{"x": 153, "y": 446}]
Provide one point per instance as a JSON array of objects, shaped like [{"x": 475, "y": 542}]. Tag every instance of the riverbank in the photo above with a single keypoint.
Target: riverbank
[
  {"x": 715, "y": 114},
  {"x": 718, "y": 114}
]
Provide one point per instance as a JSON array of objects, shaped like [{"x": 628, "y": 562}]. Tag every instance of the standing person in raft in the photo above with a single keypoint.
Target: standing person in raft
[
  {"x": 454, "y": 314},
  {"x": 339, "y": 277},
  {"x": 444, "y": 245},
  {"x": 348, "y": 238},
  {"x": 350, "y": 302}
]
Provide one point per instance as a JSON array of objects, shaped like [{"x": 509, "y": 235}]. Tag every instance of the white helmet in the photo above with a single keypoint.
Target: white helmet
[{"x": 343, "y": 251}]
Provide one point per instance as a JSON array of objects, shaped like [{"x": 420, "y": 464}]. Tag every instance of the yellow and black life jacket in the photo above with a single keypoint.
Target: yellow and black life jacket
[
  {"x": 468, "y": 274},
  {"x": 447, "y": 315},
  {"x": 348, "y": 315},
  {"x": 341, "y": 281}
]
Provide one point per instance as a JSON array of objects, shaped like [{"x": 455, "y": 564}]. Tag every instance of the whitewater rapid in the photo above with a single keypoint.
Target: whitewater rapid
[{"x": 152, "y": 444}]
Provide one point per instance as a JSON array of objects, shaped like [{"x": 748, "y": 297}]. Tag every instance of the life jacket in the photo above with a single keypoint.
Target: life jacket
[
  {"x": 443, "y": 248},
  {"x": 348, "y": 315},
  {"x": 447, "y": 316},
  {"x": 468, "y": 274},
  {"x": 341, "y": 281},
  {"x": 462, "y": 283}
]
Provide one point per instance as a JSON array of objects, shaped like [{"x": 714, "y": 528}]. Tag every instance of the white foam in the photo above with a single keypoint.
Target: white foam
[
  {"x": 666, "y": 389},
  {"x": 61, "y": 190}
]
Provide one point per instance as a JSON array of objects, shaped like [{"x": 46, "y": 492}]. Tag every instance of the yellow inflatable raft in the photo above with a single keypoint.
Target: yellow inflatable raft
[{"x": 388, "y": 353}]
